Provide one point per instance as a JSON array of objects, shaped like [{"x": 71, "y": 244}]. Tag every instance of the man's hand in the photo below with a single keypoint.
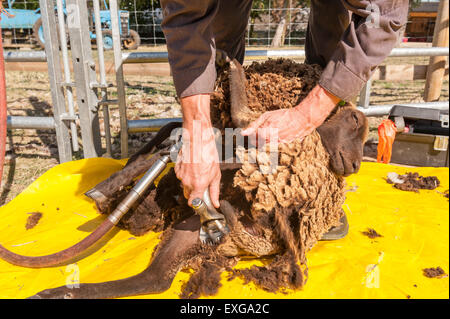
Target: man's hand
[
  {"x": 296, "y": 122},
  {"x": 199, "y": 174},
  {"x": 197, "y": 165}
]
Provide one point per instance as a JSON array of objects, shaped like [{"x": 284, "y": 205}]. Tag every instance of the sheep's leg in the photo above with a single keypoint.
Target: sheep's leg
[
  {"x": 171, "y": 255},
  {"x": 106, "y": 193},
  {"x": 241, "y": 114}
]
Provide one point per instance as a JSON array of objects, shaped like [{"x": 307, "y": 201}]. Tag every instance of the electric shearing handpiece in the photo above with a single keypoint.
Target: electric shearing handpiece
[{"x": 213, "y": 225}]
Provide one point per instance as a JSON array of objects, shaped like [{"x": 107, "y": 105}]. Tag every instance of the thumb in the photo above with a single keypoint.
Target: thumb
[
  {"x": 248, "y": 131},
  {"x": 214, "y": 191},
  {"x": 253, "y": 126}
]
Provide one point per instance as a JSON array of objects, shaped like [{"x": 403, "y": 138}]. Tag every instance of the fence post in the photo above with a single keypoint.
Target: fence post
[
  {"x": 436, "y": 67},
  {"x": 55, "y": 79},
  {"x": 66, "y": 68},
  {"x": 103, "y": 83},
  {"x": 85, "y": 76},
  {"x": 117, "y": 43},
  {"x": 364, "y": 96}
]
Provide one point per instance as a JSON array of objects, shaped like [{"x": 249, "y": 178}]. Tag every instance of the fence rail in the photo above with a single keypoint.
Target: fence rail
[
  {"x": 150, "y": 125},
  {"x": 155, "y": 57}
]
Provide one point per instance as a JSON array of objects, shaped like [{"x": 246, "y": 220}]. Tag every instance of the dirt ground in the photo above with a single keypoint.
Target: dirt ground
[{"x": 32, "y": 152}]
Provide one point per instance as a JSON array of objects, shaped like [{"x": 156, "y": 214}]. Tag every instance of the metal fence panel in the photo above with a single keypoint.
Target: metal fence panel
[
  {"x": 84, "y": 75},
  {"x": 55, "y": 77}
]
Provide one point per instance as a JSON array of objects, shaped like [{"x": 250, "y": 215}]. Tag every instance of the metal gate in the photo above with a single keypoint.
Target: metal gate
[{"x": 77, "y": 96}]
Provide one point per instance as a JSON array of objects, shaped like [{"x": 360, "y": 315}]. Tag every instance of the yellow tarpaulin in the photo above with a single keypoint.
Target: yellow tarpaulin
[{"x": 414, "y": 226}]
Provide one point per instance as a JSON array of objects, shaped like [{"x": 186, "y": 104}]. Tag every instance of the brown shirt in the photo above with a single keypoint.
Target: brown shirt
[{"x": 348, "y": 38}]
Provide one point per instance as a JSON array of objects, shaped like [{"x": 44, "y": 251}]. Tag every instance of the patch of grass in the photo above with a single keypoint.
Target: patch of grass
[{"x": 20, "y": 172}]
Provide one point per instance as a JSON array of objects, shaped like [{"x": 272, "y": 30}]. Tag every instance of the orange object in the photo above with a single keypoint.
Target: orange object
[{"x": 386, "y": 137}]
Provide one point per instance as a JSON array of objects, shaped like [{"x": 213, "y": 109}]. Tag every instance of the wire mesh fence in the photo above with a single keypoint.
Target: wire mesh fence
[
  {"x": 265, "y": 18},
  {"x": 271, "y": 22}
]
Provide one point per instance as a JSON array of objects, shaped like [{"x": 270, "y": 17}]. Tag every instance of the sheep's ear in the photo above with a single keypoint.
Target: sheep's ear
[
  {"x": 343, "y": 106},
  {"x": 350, "y": 104}
]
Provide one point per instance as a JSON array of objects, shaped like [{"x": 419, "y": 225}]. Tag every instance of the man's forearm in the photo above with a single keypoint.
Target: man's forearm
[
  {"x": 196, "y": 108},
  {"x": 196, "y": 124},
  {"x": 320, "y": 96},
  {"x": 317, "y": 105},
  {"x": 198, "y": 163}
]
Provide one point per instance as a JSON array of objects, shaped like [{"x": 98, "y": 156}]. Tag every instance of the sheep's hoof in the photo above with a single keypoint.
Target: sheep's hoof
[
  {"x": 99, "y": 199},
  {"x": 337, "y": 232}
]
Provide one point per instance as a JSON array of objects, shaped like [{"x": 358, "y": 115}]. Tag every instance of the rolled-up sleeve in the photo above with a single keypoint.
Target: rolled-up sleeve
[
  {"x": 190, "y": 43},
  {"x": 372, "y": 34}
]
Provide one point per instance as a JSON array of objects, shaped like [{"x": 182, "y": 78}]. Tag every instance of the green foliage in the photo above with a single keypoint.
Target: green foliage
[{"x": 23, "y": 4}]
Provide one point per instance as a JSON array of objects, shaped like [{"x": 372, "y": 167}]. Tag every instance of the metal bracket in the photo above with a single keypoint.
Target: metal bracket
[
  {"x": 444, "y": 120},
  {"x": 68, "y": 84},
  {"x": 108, "y": 102},
  {"x": 96, "y": 85},
  {"x": 68, "y": 117}
]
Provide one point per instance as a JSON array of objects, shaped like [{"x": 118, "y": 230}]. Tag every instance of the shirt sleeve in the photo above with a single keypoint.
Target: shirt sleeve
[
  {"x": 190, "y": 44},
  {"x": 372, "y": 34}
]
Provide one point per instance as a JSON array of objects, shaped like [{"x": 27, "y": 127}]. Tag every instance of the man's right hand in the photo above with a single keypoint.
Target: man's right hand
[{"x": 197, "y": 165}]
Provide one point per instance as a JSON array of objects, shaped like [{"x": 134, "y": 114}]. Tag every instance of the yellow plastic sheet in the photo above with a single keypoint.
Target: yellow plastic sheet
[{"x": 414, "y": 226}]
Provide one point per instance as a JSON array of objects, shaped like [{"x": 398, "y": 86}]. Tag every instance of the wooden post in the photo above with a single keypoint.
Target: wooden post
[{"x": 436, "y": 67}]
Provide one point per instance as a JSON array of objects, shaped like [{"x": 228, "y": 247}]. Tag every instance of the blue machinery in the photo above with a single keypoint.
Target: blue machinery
[{"x": 23, "y": 19}]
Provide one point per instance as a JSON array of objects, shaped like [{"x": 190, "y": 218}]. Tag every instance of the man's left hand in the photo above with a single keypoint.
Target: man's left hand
[{"x": 296, "y": 122}]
